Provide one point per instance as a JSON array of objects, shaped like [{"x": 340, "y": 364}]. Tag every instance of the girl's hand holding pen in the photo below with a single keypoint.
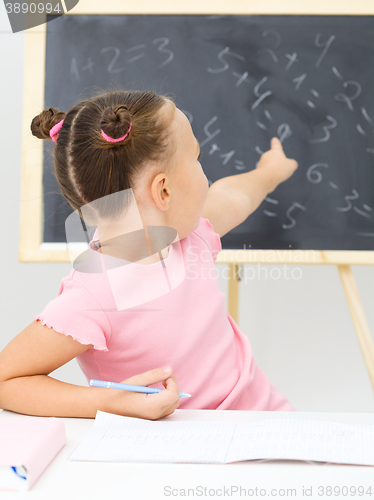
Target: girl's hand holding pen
[
  {"x": 276, "y": 164},
  {"x": 149, "y": 406}
]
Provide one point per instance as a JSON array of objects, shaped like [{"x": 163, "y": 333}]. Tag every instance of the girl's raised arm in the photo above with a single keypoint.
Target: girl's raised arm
[{"x": 26, "y": 387}]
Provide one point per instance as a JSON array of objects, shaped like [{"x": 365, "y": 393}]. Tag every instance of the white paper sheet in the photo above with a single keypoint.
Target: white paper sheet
[{"x": 124, "y": 439}]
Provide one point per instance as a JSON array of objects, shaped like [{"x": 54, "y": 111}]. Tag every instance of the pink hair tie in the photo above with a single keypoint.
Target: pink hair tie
[
  {"x": 55, "y": 130},
  {"x": 110, "y": 139}
]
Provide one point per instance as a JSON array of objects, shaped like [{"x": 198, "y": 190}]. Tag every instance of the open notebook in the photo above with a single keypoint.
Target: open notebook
[{"x": 125, "y": 439}]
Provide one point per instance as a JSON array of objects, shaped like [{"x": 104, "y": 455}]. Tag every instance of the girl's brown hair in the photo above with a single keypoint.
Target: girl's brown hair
[{"x": 87, "y": 167}]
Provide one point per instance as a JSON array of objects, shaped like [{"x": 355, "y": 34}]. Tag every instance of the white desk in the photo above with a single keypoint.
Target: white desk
[{"x": 130, "y": 481}]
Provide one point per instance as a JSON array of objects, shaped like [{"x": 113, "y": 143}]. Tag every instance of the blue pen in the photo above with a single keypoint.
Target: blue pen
[{"x": 132, "y": 388}]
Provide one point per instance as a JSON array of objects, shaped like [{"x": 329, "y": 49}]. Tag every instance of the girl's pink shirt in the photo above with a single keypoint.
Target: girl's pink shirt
[{"x": 140, "y": 317}]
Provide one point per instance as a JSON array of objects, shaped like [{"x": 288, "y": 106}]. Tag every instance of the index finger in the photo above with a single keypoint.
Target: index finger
[{"x": 276, "y": 144}]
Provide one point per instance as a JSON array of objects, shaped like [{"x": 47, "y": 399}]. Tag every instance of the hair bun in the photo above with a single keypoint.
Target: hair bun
[
  {"x": 116, "y": 121},
  {"x": 43, "y": 123}
]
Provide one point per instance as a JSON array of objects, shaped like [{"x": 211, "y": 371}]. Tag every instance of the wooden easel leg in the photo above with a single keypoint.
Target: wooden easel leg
[
  {"x": 359, "y": 320},
  {"x": 233, "y": 291}
]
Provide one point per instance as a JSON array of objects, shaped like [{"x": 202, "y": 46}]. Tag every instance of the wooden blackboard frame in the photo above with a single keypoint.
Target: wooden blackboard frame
[{"x": 33, "y": 249}]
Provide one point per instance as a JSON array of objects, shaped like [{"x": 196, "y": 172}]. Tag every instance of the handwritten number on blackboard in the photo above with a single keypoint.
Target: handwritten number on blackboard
[
  {"x": 113, "y": 61},
  {"x": 326, "y": 46},
  {"x": 276, "y": 45},
  {"x": 288, "y": 214},
  {"x": 326, "y": 130},
  {"x": 261, "y": 97},
  {"x": 348, "y": 100},
  {"x": 227, "y": 156},
  {"x": 277, "y": 36},
  {"x": 314, "y": 176},
  {"x": 210, "y": 136},
  {"x": 225, "y": 52},
  {"x": 284, "y": 132},
  {"x": 74, "y": 69},
  {"x": 299, "y": 80},
  {"x": 348, "y": 199},
  {"x": 165, "y": 41}
]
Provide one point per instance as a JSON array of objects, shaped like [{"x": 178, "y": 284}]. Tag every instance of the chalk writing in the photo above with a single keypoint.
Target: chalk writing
[
  {"x": 284, "y": 132},
  {"x": 345, "y": 98},
  {"x": 240, "y": 81},
  {"x": 289, "y": 216},
  {"x": 227, "y": 156},
  {"x": 366, "y": 116},
  {"x": 348, "y": 199},
  {"x": 134, "y": 54},
  {"x": 292, "y": 59},
  {"x": 225, "y": 52},
  {"x": 277, "y": 41},
  {"x": 261, "y": 97},
  {"x": 209, "y": 135},
  {"x": 270, "y": 214},
  {"x": 114, "y": 60},
  {"x": 138, "y": 56},
  {"x": 326, "y": 129},
  {"x": 241, "y": 78},
  {"x": 326, "y": 46},
  {"x": 164, "y": 42},
  {"x": 336, "y": 73},
  {"x": 314, "y": 176},
  {"x": 299, "y": 80}
]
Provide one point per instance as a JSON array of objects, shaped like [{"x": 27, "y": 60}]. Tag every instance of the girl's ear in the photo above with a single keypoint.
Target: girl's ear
[{"x": 161, "y": 191}]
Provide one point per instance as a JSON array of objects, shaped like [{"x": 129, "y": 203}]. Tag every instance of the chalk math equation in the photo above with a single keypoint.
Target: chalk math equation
[
  {"x": 261, "y": 92},
  {"x": 242, "y": 80}
]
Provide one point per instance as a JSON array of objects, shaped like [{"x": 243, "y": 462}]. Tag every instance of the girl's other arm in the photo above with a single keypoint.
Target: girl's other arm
[
  {"x": 232, "y": 199},
  {"x": 25, "y": 386}
]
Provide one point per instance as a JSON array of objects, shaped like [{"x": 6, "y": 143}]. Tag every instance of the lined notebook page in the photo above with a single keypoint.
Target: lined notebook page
[
  {"x": 124, "y": 439},
  {"x": 303, "y": 440}
]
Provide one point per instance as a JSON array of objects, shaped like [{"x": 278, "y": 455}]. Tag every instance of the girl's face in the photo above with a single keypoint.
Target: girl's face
[{"x": 189, "y": 185}]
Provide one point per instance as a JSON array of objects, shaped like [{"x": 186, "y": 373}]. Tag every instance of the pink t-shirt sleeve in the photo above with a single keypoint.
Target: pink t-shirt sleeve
[
  {"x": 76, "y": 313},
  {"x": 209, "y": 236}
]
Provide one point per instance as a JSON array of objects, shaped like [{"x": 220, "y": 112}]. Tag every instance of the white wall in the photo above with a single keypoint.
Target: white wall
[{"x": 301, "y": 331}]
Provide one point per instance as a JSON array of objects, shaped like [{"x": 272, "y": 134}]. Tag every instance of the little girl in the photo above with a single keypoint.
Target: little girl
[{"x": 153, "y": 323}]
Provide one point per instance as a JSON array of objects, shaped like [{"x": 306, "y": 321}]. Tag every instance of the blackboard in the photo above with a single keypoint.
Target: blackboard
[{"x": 241, "y": 80}]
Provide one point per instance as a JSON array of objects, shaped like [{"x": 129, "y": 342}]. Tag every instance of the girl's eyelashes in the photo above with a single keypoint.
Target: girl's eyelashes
[{"x": 199, "y": 157}]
